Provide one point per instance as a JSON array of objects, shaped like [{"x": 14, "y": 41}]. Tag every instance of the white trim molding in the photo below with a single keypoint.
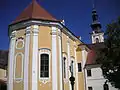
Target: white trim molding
[
  {"x": 48, "y": 52},
  {"x": 54, "y": 59},
  {"x": 11, "y": 60},
  {"x": 26, "y": 61},
  {"x": 35, "y": 32},
  {"x": 21, "y": 78}
]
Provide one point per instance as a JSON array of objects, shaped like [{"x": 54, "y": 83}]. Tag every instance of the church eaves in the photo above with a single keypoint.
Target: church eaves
[{"x": 34, "y": 11}]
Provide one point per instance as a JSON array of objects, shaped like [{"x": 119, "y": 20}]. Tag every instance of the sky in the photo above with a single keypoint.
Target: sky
[{"x": 76, "y": 13}]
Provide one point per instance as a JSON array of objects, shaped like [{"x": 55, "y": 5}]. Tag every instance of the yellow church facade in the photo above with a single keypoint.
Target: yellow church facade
[{"x": 41, "y": 52}]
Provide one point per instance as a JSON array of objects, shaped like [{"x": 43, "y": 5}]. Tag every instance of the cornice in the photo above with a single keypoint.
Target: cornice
[{"x": 44, "y": 23}]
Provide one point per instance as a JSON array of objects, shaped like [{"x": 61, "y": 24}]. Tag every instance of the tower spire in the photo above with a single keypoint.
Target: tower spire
[
  {"x": 96, "y": 26},
  {"x": 93, "y": 4},
  {"x": 97, "y": 35}
]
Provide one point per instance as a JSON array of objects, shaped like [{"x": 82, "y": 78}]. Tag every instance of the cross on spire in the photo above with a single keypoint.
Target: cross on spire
[
  {"x": 93, "y": 3},
  {"x": 95, "y": 24}
]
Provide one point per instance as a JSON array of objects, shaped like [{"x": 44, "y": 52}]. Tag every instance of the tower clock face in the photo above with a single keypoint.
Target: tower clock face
[{"x": 19, "y": 44}]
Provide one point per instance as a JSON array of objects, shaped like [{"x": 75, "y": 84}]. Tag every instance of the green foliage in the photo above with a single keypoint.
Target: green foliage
[{"x": 109, "y": 56}]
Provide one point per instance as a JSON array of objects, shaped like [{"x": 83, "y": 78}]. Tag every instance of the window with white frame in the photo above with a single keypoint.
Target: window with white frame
[
  {"x": 90, "y": 88},
  {"x": 89, "y": 73},
  {"x": 72, "y": 67},
  {"x": 97, "y": 40},
  {"x": 64, "y": 65},
  {"x": 44, "y": 63},
  {"x": 79, "y": 67},
  {"x": 44, "y": 70}
]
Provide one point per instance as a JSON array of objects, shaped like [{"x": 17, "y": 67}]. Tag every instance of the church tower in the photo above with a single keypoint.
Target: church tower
[{"x": 97, "y": 34}]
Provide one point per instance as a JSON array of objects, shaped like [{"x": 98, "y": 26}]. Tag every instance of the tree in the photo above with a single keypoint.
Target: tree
[{"x": 109, "y": 56}]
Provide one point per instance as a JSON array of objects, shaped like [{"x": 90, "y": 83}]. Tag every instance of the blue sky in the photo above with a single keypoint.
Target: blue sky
[{"x": 76, "y": 13}]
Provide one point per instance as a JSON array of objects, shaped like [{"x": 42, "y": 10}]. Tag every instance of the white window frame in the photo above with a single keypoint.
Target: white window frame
[
  {"x": 90, "y": 72},
  {"x": 44, "y": 51},
  {"x": 66, "y": 67},
  {"x": 21, "y": 78},
  {"x": 80, "y": 67}
]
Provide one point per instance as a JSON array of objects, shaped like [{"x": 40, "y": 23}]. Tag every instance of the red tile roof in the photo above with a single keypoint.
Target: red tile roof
[
  {"x": 34, "y": 11},
  {"x": 92, "y": 56}
]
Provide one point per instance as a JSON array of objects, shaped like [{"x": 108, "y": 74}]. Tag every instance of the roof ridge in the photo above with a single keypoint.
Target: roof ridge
[
  {"x": 35, "y": 2},
  {"x": 34, "y": 11},
  {"x": 32, "y": 8}
]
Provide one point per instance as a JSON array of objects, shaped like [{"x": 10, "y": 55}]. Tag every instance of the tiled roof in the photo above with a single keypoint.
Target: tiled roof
[
  {"x": 34, "y": 11},
  {"x": 96, "y": 45},
  {"x": 3, "y": 59},
  {"x": 91, "y": 57}
]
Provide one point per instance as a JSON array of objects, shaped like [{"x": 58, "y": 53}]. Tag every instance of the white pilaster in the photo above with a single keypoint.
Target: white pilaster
[
  {"x": 83, "y": 57},
  {"x": 35, "y": 58},
  {"x": 60, "y": 59},
  {"x": 85, "y": 76},
  {"x": 11, "y": 60},
  {"x": 26, "y": 61},
  {"x": 69, "y": 61},
  {"x": 76, "y": 66},
  {"x": 54, "y": 60}
]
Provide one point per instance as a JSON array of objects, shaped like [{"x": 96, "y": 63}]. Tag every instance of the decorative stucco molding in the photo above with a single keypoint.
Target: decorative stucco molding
[
  {"x": 18, "y": 41},
  {"x": 20, "y": 78}
]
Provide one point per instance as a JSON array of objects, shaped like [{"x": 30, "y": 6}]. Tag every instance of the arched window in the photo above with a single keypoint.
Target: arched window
[
  {"x": 44, "y": 66},
  {"x": 97, "y": 40},
  {"x": 72, "y": 68},
  {"x": 79, "y": 67}
]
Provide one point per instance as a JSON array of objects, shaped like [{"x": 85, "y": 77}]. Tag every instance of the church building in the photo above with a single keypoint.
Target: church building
[{"x": 44, "y": 53}]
